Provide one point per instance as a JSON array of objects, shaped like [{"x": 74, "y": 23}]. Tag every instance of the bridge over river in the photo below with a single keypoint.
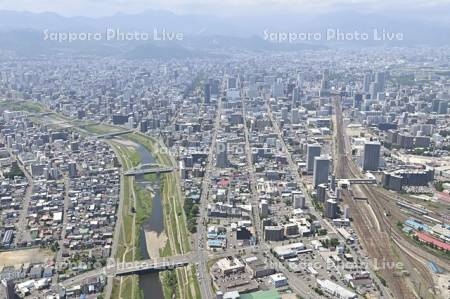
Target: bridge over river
[{"x": 114, "y": 268}]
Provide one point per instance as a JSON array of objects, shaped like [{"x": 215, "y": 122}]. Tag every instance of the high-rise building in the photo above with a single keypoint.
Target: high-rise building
[
  {"x": 321, "y": 169},
  {"x": 207, "y": 92},
  {"x": 264, "y": 208},
  {"x": 374, "y": 89},
  {"x": 7, "y": 289},
  {"x": 312, "y": 151},
  {"x": 131, "y": 122},
  {"x": 274, "y": 233},
  {"x": 231, "y": 83},
  {"x": 143, "y": 126},
  {"x": 331, "y": 209},
  {"x": 295, "y": 96},
  {"x": 277, "y": 89},
  {"x": 222, "y": 158},
  {"x": 371, "y": 156},
  {"x": 358, "y": 99},
  {"x": 443, "y": 107},
  {"x": 366, "y": 83},
  {"x": 380, "y": 78},
  {"x": 378, "y": 86},
  {"x": 214, "y": 83},
  {"x": 295, "y": 116},
  {"x": 325, "y": 84},
  {"x": 72, "y": 169},
  {"x": 346, "y": 212},
  {"x": 435, "y": 105},
  {"x": 284, "y": 114},
  {"x": 74, "y": 146},
  {"x": 299, "y": 201}
]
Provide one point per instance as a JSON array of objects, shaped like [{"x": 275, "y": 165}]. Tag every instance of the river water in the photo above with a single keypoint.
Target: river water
[{"x": 150, "y": 283}]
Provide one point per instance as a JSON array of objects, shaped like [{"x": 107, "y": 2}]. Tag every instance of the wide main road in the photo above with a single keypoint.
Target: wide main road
[
  {"x": 200, "y": 238},
  {"x": 377, "y": 233},
  {"x": 297, "y": 284}
]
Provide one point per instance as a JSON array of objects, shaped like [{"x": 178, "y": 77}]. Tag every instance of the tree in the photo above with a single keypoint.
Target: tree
[{"x": 14, "y": 171}]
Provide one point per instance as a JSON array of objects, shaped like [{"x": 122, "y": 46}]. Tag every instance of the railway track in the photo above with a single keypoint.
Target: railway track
[
  {"x": 378, "y": 241},
  {"x": 425, "y": 255}
]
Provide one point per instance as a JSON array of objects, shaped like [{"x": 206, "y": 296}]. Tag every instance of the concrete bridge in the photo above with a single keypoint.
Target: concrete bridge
[
  {"x": 148, "y": 168},
  {"x": 113, "y": 134},
  {"x": 146, "y": 266},
  {"x": 114, "y": 268}
]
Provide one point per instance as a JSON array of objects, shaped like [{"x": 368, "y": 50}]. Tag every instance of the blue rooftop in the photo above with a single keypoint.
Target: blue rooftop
[{"x": 417, "y": 225}]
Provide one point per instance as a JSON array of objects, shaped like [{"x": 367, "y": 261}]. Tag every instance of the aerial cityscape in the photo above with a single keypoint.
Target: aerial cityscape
[{"x": 232, "y": 168}]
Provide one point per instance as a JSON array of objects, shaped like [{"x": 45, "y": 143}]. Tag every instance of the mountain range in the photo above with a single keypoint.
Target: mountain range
[{"x": 23, "y": 32}]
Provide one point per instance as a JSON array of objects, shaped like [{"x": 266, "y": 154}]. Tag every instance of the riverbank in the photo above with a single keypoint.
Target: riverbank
[
  {"x": 177, "y": 240},
  {"x": 185, "y": 285}
]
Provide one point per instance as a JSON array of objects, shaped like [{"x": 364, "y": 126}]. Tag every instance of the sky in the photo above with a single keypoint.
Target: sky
[{"x": 98, "y": 8}]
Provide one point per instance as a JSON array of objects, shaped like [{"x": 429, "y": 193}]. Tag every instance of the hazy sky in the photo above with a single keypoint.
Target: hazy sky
[{"x": 213, "y": 7}]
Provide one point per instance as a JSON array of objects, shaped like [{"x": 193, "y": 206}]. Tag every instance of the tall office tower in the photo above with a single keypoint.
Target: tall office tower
[
  {"x": 312, "y": 151},
  {"x": 380, "y": 78},
  {"x": 131, "y": 122},
  {"x": 264, "y": 208},
  {"x": 435, "y": 105},
  {"x": 72, "y": 169},
  {"x": 371, "y": 156},
  {"x": 299, "y": 80},
  {"x": 231, "y": 83},
  {"x": 325, "y": 84},
  {"x": 207, "y": 92},
  {"x": 366, "y": 83},
  {"x": 214, "y": 83},
  {"x": 321, "y": 169},
  {"x": 284, "y": 114},
  {"x": 290, "y": 88},
  {"x": 299, "y": 201},
  {"x": 277, "y": 89},
  {"x": 325, "y": 74},
  {"x": 331, "y": 209},
  {"x": 222, "y": 158},
  {"x": 374, "y": 90},
  {"x": 295, "y": 116},
  {"x": 295, "y": 96},
  {"x": 443, "y": 107},
  {"x": 357, "y": 101}
]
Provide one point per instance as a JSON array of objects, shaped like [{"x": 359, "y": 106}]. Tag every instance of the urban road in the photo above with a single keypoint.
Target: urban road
[{"x": 199, "y": 238}]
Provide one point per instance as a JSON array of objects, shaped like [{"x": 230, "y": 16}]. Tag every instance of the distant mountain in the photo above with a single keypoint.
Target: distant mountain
[
  {"x": 31, "y": 43},
  {"x": 163, "y": 52},
  {"x": 23, "y": 32}
]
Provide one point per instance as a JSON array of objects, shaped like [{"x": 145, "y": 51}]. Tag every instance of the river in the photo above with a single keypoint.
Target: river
[{"x": 150, "y": 283}]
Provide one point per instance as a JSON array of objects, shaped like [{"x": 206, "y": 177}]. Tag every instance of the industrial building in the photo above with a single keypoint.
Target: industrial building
[{"x": 335, "y": 290}]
